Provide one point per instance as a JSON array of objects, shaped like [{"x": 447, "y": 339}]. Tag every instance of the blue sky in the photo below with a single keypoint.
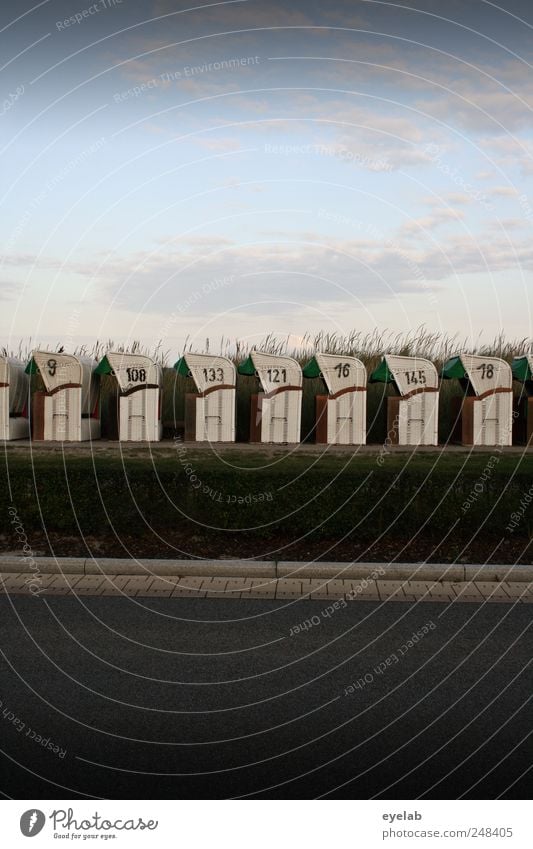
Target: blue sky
[{"x": 242, "y": 168}]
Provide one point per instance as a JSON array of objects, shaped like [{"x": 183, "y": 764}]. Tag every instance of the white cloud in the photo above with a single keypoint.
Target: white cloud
[
  {"x": 442, "y": 200},
  {"x": 503, "y": 191},
  {"x": 204, "y": 275},
  {"x": 507, "y": 224},
  {"x": 7, "y": 290},
  {"x": 510, "y": 152},
  {"x": 218, "y": 144},
  {"x": 430, "y": 222}
]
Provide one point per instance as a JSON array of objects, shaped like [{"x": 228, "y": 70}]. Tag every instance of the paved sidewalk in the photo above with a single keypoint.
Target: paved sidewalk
[{"x": 18, "y": 583}]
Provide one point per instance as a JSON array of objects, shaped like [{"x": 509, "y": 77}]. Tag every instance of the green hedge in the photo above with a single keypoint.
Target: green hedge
[{"x": 329, "y": 496}]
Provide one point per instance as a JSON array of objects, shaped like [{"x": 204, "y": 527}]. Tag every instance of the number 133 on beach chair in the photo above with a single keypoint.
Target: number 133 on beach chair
[{"x": 209, "y": 413}]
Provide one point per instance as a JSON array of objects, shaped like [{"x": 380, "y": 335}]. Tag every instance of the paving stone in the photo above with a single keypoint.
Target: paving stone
[
  {"x": 515, "y": 589},
  {"x": 59, "y": 590},
  {"x": 235, "y": 586},
  {"x": 115, "y": 585},
  {"x": 467, "y": 591},
  {"x": 499, "y": 600},
  {"x": 399, "y": 593},
  {"x": 336, "y": 587},
  {"x": 64, "y": 580},
  {"x": 391, "y": 589},
  {"x": 441, "y": 590},
  {"x": 492, "y": 591},
  {"x": 111, "y": 590},
  {"x": 259, "y": 586},
  {"x": 57, "y": 584},
  {"x": 91, "y": 585},
  {"x": 92, "y": 580},
  {"x": 288, "y": 588},
  {"x": 215, "y": 583},
  {"x": 26, "y": 584},
  {"x": 190, "y": 592},
  {"x": 139, "y": 581},
  {"x": 119, "y": 581},
  {"x": 19, "y": 588},
  {"x": 243, "y": 582},
  {"x": 314, "y": 585},
  {"x": 254, "y": 594},
  {"x": 215, "y": 587},
  {"x": 191, "y": 582},
  {"x": 398, "y": 597},
  {"x": 12, "y": 581},
  {"x": 355, "y": 590},
  {"x": 418, "y": 588},
  {"x": 151, "y": 593},
  {"x": 366, "y": 597},
  {"x": 267, "y": 589},
  {"x": 42, "y": 580},
  {"x": 163, "y": 584}
]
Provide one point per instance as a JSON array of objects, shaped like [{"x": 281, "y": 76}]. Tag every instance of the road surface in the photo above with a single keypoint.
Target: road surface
[{"x": 145, "y": 697}]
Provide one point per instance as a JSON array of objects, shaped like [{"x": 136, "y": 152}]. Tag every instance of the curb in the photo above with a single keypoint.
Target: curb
[{"x": 267, "y": 569}]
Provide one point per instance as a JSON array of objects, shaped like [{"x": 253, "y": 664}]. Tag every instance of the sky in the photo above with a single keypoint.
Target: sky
[{"x": 183, "y": 172}]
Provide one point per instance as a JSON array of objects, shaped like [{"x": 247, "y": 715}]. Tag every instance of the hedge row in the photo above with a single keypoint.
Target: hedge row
[{"x": 328, "y": 496}]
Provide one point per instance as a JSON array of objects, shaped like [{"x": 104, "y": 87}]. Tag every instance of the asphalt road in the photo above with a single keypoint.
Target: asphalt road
[{"x": 205, "y": 698}]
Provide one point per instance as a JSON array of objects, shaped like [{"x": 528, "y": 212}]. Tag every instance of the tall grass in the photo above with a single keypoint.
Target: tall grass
[{"x": 368, "y": 346}]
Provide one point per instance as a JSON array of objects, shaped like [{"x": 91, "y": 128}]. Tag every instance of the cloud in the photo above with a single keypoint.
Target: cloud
[
  {"x": 479, "y": 92},
  {"x": 7, "y": 290},
  {"x": 241, "y": 15},
  {"x": 458, "y": 198},
  {"x": 480, "y": 87},
  {"x": 503, "y": 192},
  {"x": 218, "y": 144},
  {"x": 301, "y": 270},
  {"x": 483, "y": 96},
  {"x": 486, "y": 255},
  {"x": 431, "y": 222},
  {"x": 510, "y": 152},
  {"x": 292, "y": 273},
  {"x": 199, "y": 241},
  {"x": 507, "y": 224},
  {"x": 23, "y": 260}
]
